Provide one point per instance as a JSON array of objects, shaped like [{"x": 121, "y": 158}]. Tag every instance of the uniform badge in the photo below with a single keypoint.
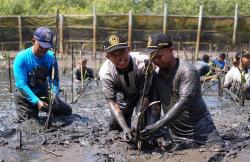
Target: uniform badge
[{"x": 113, "y": 40}]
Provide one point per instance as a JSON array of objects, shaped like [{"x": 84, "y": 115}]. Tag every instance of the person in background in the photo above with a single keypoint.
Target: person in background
[
  {"x": 237, "y": 80},
  {"x": 87, "y": 72}
]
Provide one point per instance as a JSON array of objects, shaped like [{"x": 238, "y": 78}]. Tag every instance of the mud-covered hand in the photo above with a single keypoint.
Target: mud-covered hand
[
  {"x": 42, "y": 105},
  {"x": 127, "y": 135},
  {"x": 134, "y": 122},
  {"x": 231, "y": 94},
  {"x": 149, "y": 130}
]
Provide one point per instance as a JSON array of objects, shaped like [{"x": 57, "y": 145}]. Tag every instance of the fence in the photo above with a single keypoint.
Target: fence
[{"x": 199, "y": 32}]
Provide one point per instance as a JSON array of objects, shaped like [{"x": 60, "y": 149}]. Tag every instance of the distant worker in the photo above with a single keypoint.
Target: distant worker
[
  {"x": 237, "y": 80},
  {"x": 87, "y": 72},
  {"x": 205, "y": 58},
  {"x": 33, "y": 78},
  {"x": 202, "y": 65},
  {"x": 219, "y": 62}
]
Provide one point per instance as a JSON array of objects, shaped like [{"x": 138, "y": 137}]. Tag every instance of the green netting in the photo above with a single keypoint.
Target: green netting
[
  {"x": 112, "y": 21},
  {"x": 8, "y": 22},
  {"x": 37, "y": 21},
  {"x": 218, "y": 23},
  {"x": 147, "y": 22},
  {"x": 244, "y": 24},
  {"x": 182, "y": 23},
  {"x": 79, "y": 21},
  {"x": 79, "y": 29}
]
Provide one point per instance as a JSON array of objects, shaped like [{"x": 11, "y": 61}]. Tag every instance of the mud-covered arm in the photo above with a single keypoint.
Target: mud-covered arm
[
  {"x": 117, "y": 113},
  {"x": 110, "y": 94},
  {"x": 188, "y": 87},
  {"x": 227, "y": 85}
]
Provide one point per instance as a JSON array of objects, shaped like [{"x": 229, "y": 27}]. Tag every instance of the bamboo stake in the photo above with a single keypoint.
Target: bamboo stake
[
  {"x": 9, "y": 71},
  {"x": 198, "y": 34},
  {"x": 72, "y": 74},
  {"x": 165, "y": 17},
  {"x": 20, "y": 141},
  {"x": 235, "y": 24},
  {"x": 61, "y": 19},
  {"x": 51, "y": 152},
  {"x": 130, "y": 25},
  {"x": 94, "y": 32},
  {"x": 81, "y": 69},
  {"x": 20, "y": 32}
]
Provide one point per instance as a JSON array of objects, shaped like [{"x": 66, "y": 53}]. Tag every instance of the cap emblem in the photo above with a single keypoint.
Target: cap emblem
[{"x": 113, "y": 40}]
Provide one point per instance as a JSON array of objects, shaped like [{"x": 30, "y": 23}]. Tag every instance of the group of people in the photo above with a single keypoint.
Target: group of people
[
  {"x": 236, "y": 81},
  {"x": 173, "y": 85},
  {"x": 166, "y": 88}
]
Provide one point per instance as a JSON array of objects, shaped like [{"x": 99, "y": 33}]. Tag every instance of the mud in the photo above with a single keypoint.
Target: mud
[{"x": 84, "y": 136}]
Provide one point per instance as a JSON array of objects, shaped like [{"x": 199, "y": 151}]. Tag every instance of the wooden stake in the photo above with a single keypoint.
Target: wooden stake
[
  {"x": 165, "y": 18},
  {"x": 9, "y": 70},
  {"x": 72, "y": 75},
  {"x": 198, "y": 34},
  {"x": 20, "y": 141},
  {"x": 130, "y": 26},
  {"x": 235, "y": 24},
  {"x": 51, "y": 152},
  {"x": 81, "y": 69}
]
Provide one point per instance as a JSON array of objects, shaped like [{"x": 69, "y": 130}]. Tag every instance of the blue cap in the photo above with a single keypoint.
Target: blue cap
[{"x": 44, "y": 36}]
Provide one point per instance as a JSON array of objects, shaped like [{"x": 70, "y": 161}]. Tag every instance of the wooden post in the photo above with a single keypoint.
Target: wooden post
[
  {"x": 20, "y": 33},
  {"x": 61, "y": 19},
  {"x": 94, "y": 33},
  {"x": 9, "y": 70},
  {"x": 165, "y": 18},
  {"x": 72, "y": 74},
  {"x": 20, "y": 141},
  {"x": 198, "y": 34},
  {"x": 235, "y": 24},
  {"x": 130, "y": 26},
  {"x": 81, "y": 69}
]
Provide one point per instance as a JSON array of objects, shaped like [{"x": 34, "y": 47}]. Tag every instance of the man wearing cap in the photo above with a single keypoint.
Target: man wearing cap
[
  {"x": 177, "y": 86},
  {"x": 237, "y": 79},
  {"x": 122, "y": 78},
  {"x": 32, "y": 72}
]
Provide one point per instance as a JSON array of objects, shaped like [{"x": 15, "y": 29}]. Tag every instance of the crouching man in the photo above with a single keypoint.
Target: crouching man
[{"x": 177, "y": 87}]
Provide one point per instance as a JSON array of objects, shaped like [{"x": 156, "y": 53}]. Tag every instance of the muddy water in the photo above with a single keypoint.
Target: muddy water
[{"x": 83, "y": 136}]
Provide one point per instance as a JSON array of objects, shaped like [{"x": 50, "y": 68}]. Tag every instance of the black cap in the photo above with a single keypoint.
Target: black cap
[
  {"x": 114, "y": 42},
  {"x": 158, "y": 41},
  {"x": 242, "y": 53}
]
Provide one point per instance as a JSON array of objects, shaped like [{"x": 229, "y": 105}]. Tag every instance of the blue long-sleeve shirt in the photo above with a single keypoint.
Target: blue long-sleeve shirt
[
  {"x": 33, "y": 74},
  {"x": 219, "y": 63}
]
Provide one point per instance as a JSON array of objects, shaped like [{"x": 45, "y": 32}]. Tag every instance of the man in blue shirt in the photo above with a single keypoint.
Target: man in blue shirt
[
  {"x": 219, "y": 62},
  {"x": 32, "y": 73}
]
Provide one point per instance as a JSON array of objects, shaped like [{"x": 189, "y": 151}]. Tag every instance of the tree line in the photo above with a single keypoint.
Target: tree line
[{"x": 78, "y": 7}]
